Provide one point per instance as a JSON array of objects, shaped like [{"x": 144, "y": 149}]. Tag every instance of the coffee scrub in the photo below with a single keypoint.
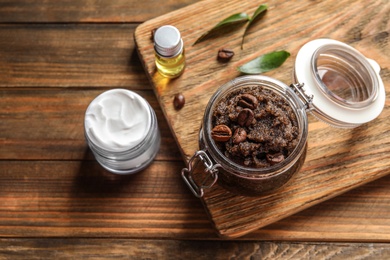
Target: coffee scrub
[
  {"x": 254, "y": 131},
  {"x": 261, "y": 126}
]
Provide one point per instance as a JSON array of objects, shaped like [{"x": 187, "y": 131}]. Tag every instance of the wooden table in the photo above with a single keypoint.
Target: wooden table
[{"x": 57, "y": 202}]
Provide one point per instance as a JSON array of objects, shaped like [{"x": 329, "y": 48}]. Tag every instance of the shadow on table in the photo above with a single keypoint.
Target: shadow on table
[{"x": 92, "y": 180}]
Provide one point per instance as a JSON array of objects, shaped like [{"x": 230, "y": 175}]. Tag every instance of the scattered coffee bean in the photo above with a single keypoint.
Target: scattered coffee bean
[
  {"x": 245, "y": 117},
  {"x": 178, "y": 101},
  {"x": 239, "y": 135},
  {"x": 225, "y": 54},
  {"x": 248, "y": 101},
  {"x": 221, "y": 133},
  {"x": 275, "y": 158}
]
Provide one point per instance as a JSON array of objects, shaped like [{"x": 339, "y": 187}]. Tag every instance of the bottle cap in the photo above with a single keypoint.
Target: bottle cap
[{"x": 167, "y": 41}]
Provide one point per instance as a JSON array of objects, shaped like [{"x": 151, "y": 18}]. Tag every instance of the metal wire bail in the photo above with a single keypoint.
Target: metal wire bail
[
  {"x": 307, "y": 100},
  {"x": 210, "y": 169}
]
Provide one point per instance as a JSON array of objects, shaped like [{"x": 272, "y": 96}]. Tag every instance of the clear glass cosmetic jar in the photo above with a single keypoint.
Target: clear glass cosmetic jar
[
  {"x": 333, "y": 81},
  {"x": 122, "y": 131}
]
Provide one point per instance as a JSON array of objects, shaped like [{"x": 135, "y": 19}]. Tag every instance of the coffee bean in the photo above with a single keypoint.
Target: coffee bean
[
  {"x": 245, "y": 117},
  {"x": 248, "y": 101},
  {"x": 225, "y": 54},
  {"x": 275, "y": 158},
  {"x": 239, "y": 135},
  {"x": 178, "y": 101},
  {"x": 221, "y": 133}
]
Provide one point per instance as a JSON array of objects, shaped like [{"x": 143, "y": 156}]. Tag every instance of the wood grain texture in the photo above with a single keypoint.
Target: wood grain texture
[
  {"x": 95, "y": 11},
  {"x": 80, "y": 199},
  {"x": 337, "y": 160},
  {"x": 171, "y": 249},
  {"x": 71, "y": 199},
  {"x": 70, "y": 55}
]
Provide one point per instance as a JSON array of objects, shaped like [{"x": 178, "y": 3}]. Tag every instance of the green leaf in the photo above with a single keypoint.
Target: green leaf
[
  {"x": 260, "y": 11},
  {"x": 233, "y": 19},
  {"x": 264, "y": 63}
]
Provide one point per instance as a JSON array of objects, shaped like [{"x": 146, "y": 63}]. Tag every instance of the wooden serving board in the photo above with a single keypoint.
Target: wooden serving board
[{"x": 338, "y": 160}]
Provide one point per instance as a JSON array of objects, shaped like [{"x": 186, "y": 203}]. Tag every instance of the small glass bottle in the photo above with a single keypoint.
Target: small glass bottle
[{"x": 169, "y": 51}]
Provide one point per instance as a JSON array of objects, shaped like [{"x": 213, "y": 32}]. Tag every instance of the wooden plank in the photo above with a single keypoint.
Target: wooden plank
[
  {"x": 43, "y": 124},
  {"x": 79, "y": 199},
  {"x": 70, "y": 55},
  {"x": 338, "y": 160},
  {"x": 120, "y": 11},
  {"x": 82, "y": 248},
  {"x": 358, "y": 215}
]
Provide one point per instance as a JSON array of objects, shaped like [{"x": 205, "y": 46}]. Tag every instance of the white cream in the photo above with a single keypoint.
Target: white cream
[{"x": 117, "y": 120}]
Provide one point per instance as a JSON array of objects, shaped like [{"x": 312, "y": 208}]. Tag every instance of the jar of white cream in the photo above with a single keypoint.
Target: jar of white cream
[{"x": 122, "y": 131}]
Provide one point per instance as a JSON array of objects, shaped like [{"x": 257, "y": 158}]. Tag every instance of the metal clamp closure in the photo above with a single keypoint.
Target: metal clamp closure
[
  {"x": 307, "y": 100},
  {"x": 210, "y": 169}
]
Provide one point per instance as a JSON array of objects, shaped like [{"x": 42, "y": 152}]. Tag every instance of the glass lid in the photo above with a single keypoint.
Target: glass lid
[{"x": 346, "y": 87}]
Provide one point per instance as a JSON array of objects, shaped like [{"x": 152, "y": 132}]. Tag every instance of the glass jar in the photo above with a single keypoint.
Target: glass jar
[
  {"x": 333, "y": 81},
  {"x": 122, "y": 131},
  {"x": 345, "y": 87}
]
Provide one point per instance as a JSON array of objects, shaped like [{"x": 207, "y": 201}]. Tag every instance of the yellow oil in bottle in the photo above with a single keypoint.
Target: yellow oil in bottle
[{"x": 171, "y": 67}]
